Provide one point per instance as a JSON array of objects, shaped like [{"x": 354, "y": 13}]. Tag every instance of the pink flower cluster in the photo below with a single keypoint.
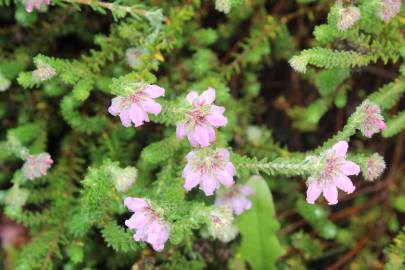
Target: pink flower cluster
[
  {"x": 135, "y": 107},
  {"x": 373, "y": 122},
  {"x": 31, "y": 4},
  {"x": 36, "y": 165},
  {"x": 208, "y": 168},
  {"x": 236, "y": 198},
  {"x": 389, "y": 8},
  {"x": 332, "y": 175},
  {"x": 201, "y": 119},
  {"x": 149, "y": 226}
]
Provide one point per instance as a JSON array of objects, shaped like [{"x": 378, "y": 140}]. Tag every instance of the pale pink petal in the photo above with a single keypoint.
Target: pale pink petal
[
  {"x": 191, "y": 181},
  {"x": 207, "y": 97},
  {"x": 230, "y": 169},
  {"x": 190, "y": 156},
  {"x": 151, "y": 106},
  {"x": 382, "y": 125},
  {"x": 180, "y": 130},
  {"x": 217, "y": 120},
  {"x": 350, "y": 168},
  {"x": 135, "y": 204},
  {"x": 246, "y": 190},
  {"x": 201, "y": 135},
  {"x": 137, "y": 220},
  {"x": 330, "y": 193},
  {"x": 192, "y": 139},
  {"x": 340, "y": 148},
  {"x": 115, "y": 107},
  {"x": 145, "y": 116},
  {"x": 314, "y": 190},
  {"x": 191, "y": 96},
  {"x": 141, "y": 234},
  {"x": 29, "y": 6},
  {"x": 154, "y": 91},
  {"x": 344, "y": 183},
  {"x": 211, "y": 134},
  {"x": 208, "y": 185},
  {"x": 217, "y": 109},
  {"x": 224, "y": 153},
  {"x": 136, "y": 115},
  {"x": 156, "y": 236},
  {"x": 225, "y": 178},
  {"x": 125, "y": 118}
]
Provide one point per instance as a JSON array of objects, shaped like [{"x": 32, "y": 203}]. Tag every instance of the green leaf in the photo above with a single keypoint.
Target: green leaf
[{"x": 258, "y": 228}]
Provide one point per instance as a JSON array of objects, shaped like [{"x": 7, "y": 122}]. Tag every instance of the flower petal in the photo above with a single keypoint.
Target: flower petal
[
  {"x": 180, "y": 130},
  {"x": 344, "y": 183},
  {"x": 208, "y": 185},
  {"x": 330, "y": 193},
  {"x": 217, "y": 120},
  {"x": 125, "y": 118},
  {"x": 136, "y": 115},
  {"x": 350, "y": 168},
  {"x": 314, "y": 190},
  {"x": 225, "y": 178},
  {"x": 201, "y": 135},
  {"x": 340, "y": 148},
  {"x": 217, "y": 109},
  {"x": 152, "y": 106},
  {"x": 154, "y": 91},
  {"x": 135, "y": 204},
  {"x": 207, "y": 97},
  {"x": 191, "y": 96}
]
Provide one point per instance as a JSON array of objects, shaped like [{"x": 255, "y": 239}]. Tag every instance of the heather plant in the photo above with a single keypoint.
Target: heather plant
[{"x": 221, "y": 134}]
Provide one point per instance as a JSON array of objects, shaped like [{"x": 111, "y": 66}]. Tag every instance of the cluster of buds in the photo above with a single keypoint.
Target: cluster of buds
[
  {"x": 220, "y": 225},
  {"x": 235, "y": 198},
  {"x": 347, "y": 17},
  {"x": 371, "y": 119},
  {"x": 37, "y": 165},
  {"x": 31, "y": 4},
  {"x": 147, "y": 222},
  {"x": 43, "y": 73},
  {"x": 388, "y": 9},
  {"x": 123, "y": 179},
  {"x": 4, "y": 83},
  {"x": 375, "y": 166},
  {"x": 16, "y": 197}
]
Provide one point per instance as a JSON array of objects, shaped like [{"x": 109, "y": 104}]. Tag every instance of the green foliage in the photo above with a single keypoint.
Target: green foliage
[{"x": 258, "y": 228}]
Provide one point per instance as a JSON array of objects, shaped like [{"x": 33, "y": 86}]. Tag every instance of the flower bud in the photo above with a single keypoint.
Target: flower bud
[
  {"x": 223, "y": 5},
  {"x": 16, "y": 197},
  {"x": 220, "y": 224},
  {"x": 124, "y": 178},
  {"x": 372, "y": 120},
  {"x": 388, "y": 9},
  {"x": 4, "y": 83},
  {"x": 254, "y": 134},
  {"x": 375, "y": 166},
  {"x": 347, "y": 17},
  {"x": 43, "y": 73},
  {"x": 37, "y": 165},
  {"x": 299, "y": 63},
  {"x": 133, "y": 56}
]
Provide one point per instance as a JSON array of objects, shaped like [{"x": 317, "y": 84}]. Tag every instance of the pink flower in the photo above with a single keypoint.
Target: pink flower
[
  {"x": 389, "y": 8},
  {"x": 347, "y": 17},
  {"x": 235, "y": 198},
  {"x": 37, "y": 165},
  {"x": 332, "y": 175},
  {"x": 31, "y": 4},
  {"x": 135, "y": 107},
  {"x": 373, "y": 121},
  {"x": 149, "y": 226},
  {"x": 201, "y": 119},
  {"x": 208, "y": 168}
]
